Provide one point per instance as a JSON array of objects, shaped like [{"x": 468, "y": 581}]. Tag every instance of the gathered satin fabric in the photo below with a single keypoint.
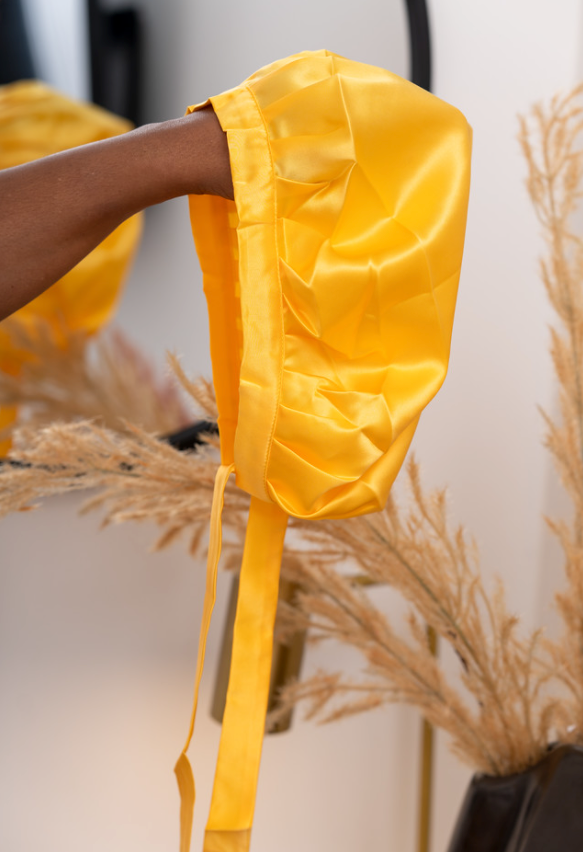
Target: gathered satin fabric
[
  {"x": 331, "y": 283},
  {"x": 36, "y": 121}
]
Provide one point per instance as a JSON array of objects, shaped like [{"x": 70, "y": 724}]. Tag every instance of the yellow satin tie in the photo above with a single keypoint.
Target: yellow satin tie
[
  {"x": 233, "y": 800},
  {"x": 183, "y": 769}
]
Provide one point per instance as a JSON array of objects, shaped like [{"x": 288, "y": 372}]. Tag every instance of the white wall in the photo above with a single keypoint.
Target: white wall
[
  {"x": 97, "y": 639},
  {"x": 58, "y": 37},
  {"x": 198, "y": 49}
]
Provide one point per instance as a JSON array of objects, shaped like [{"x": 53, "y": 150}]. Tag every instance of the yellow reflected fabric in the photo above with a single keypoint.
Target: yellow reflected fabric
[
  {"x": 36, "y": 121},
  {"x": 331, "y": 283}
]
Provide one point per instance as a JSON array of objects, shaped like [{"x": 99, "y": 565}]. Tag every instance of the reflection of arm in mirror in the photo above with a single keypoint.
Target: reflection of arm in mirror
[{"x": 55, "y": 210}]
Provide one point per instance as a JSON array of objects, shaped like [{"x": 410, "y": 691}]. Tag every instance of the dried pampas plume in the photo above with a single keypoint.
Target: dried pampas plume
[
  {"x": 105, "y": 379},
  {"x": 137, "y": 475},
  {"x": 555, "y": 184},
  {"x": 117, "y": 451},
  {"x": 436, "y": 569}
]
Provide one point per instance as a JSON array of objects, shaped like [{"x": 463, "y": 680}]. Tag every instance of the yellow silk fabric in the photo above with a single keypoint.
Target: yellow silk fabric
[
  {"x": 351, "y": 192},
  {"x": 331, "y": 283},
  {"x": 36, "y": 121}
]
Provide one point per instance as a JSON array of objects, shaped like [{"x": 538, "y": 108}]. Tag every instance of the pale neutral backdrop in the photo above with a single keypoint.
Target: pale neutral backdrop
[{"x": 98, "y": 638}]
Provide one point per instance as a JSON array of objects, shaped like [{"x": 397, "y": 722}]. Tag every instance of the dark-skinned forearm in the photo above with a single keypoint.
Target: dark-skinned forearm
[{"x": 54, "y": 211}]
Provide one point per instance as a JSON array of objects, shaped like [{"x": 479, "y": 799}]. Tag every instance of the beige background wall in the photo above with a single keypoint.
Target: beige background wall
[{"x": 98, "y": 638}]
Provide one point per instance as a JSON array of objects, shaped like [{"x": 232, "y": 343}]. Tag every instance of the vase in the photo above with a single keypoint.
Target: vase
[
  {"x": 538, "y": 810},
  {"x": 285, "y": 665}
]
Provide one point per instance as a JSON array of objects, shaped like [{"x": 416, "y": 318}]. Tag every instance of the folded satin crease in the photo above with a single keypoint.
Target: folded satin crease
[{"x": 331, "y": 282}]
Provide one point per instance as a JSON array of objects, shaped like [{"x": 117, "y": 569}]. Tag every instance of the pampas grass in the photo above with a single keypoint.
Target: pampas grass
[
  {"x": 105, "y": 378},
  {"x": 501, "y": 721},
  {"x": 516, "y": 691},
  {"x": 555, "y": 185},
  {"x": 137, "y": 476}
]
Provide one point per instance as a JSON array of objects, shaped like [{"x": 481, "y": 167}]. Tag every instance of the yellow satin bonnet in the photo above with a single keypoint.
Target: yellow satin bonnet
[
  {"x": 35, "y": 121},
  {"x": 331, "y": 282}
]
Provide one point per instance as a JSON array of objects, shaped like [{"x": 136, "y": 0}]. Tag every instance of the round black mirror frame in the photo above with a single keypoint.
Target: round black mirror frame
[{"x": 420, "y": 43}]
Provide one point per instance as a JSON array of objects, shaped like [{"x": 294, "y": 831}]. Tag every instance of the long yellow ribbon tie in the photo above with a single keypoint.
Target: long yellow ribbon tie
[
  {"x": 233, "y": 800},
  {"x": 183, "y": 769}
]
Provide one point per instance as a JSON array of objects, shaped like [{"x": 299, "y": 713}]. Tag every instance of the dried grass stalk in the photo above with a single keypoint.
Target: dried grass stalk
[
  {"x": 496, "y": 726},
  {"x": 76, "y": 377},
  {"x": 555, "y": 184},
  {"x": 137, "y": 476}
]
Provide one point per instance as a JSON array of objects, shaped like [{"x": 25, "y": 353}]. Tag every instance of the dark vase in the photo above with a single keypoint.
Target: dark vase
[{"x": 539, "y": 810}]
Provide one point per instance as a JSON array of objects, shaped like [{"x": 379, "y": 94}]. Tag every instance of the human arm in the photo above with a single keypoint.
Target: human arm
[{"x": 55, "y": 210}]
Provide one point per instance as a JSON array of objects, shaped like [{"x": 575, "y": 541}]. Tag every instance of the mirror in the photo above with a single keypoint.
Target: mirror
[{"x": 95, "y": 50}]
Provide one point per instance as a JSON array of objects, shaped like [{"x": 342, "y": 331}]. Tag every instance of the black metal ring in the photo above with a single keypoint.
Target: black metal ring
[{"x": 420, "y": 43}]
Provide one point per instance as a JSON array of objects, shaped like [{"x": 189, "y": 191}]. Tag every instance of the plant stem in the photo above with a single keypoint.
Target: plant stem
[{"x": 457, "y": 629}]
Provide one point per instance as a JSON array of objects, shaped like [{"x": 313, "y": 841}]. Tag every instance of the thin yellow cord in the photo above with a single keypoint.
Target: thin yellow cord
[{"x": 183, "y": 769}]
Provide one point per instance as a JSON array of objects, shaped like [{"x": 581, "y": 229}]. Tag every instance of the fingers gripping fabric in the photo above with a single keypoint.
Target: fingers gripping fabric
[{"x": 331, "y": 282}]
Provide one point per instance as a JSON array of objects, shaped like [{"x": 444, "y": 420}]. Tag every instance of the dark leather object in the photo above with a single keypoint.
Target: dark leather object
[
  {"x": 191, "y": 436},
  {"x": 115, "y": 48},
  {"x": 16, "y": 61},
  {"x": 539, "y": 810}
]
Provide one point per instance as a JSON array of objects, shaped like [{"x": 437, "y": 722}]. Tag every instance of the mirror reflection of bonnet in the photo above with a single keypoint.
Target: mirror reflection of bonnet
[{"x": 331, "y": 283}]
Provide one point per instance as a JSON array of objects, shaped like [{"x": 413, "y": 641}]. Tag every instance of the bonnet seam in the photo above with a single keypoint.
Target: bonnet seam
[{"x": 282, "y": 334}]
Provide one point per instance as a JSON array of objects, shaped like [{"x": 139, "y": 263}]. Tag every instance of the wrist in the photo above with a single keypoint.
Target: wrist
[{"x": 186, "y": 156}]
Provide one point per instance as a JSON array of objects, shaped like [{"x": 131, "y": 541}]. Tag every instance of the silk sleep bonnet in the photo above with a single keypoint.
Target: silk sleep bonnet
[{"x": 331, "y": 282}]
